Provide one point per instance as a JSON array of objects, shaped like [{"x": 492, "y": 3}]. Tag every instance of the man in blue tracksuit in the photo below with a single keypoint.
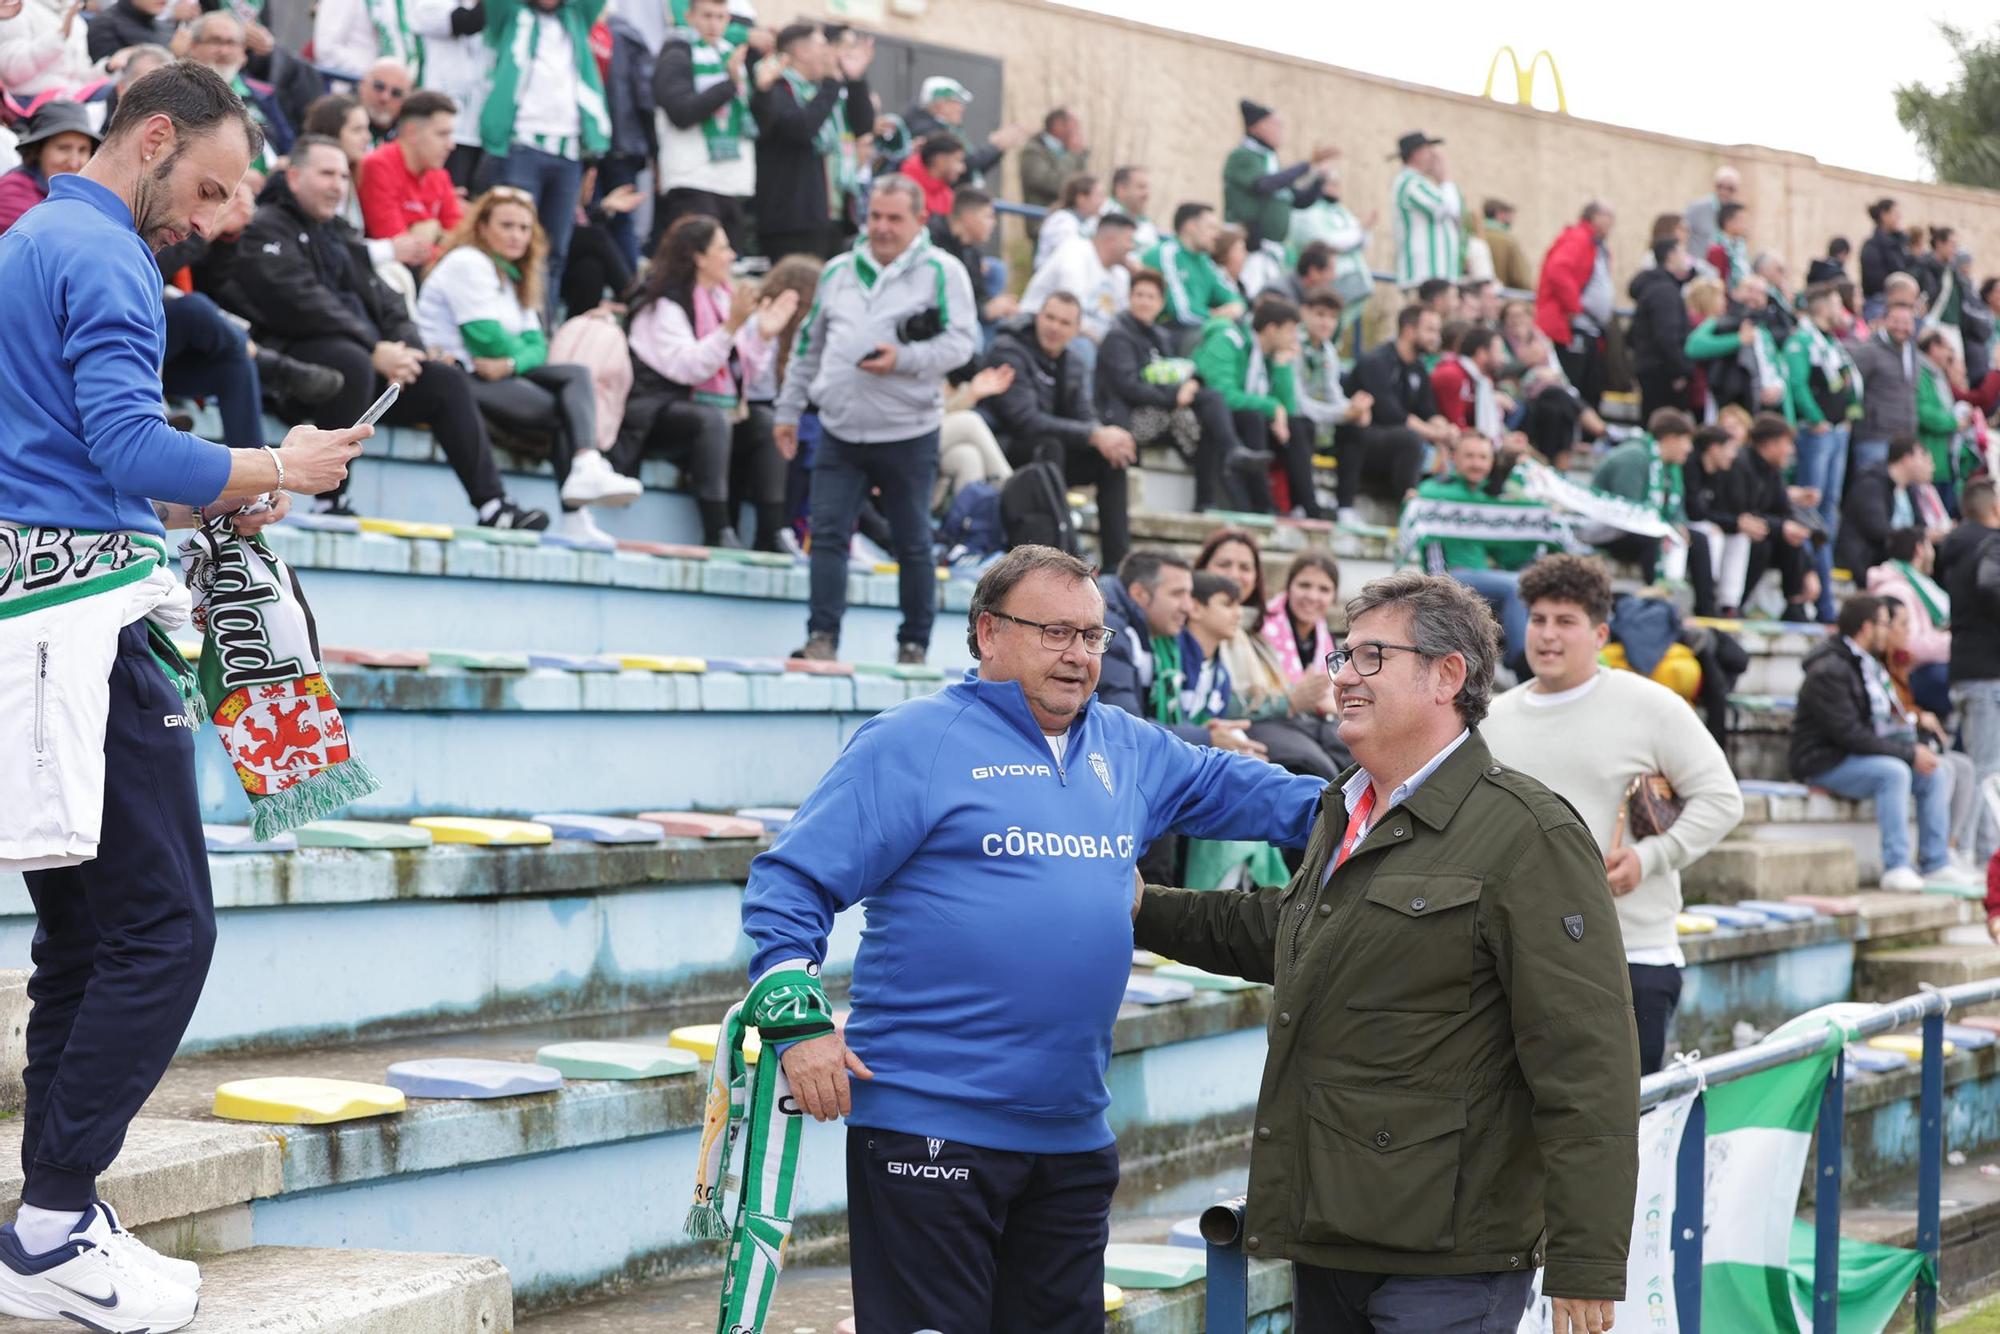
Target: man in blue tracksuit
[{"x": 992, "y": 829}]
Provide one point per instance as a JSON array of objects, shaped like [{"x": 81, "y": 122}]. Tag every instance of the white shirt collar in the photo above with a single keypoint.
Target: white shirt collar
[{"x": 1351, "y": 791}]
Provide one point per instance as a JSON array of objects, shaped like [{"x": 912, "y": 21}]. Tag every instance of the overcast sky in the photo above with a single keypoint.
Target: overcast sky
[{"x": 1822, "y": 78}]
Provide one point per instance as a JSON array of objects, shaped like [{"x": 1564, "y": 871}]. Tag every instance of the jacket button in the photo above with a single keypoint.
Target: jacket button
[
  {"x": 1284, "y": 1021},
  {"x": 1494, "y": 770},
  {"x": 1263, "y": 1132},
  {"x": 1382, "y": 1139},
  {"x": 1252, "y": 1243},
  {"x": 1326, "y": 910},
  {"x": 1417, "y": 905},
  {"x": 1513, "y": 1262},
  {"x": 1398, "y": 832}
]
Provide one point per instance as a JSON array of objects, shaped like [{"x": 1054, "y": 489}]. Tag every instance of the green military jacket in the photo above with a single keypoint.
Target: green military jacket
[{"x": 1453, "y": 1078}]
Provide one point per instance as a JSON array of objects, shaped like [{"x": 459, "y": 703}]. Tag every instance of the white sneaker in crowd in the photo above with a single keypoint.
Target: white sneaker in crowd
[
  {"x": 593, "y": 481},
  {"x": 1902, "y": 880},
  {"x": 1347, "y": 514},
  {"x": 94, "y": 1280},
  {"x": 788, "y": 542},
  {"x": 1954, "y": 877},
  {"x": 186, "y": 1273},
  {"x": 578, "y": 526}
]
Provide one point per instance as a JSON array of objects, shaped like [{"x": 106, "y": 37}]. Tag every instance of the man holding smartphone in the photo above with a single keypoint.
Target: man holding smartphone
[
  {"x": 98, "y": 805},
  {"x": 892, "y": 317}
]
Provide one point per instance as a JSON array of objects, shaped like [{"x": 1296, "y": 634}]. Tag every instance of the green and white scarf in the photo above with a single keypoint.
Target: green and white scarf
[
  {"x": 1937, "y": 602},
  {"x": 1272, "y": 166},
  {"x": 1832, "y": 361},
  {"x": 826, "y": 139},
  {"x": 1737, "y": 250},
  {"x": 514, "y": 47},
  {"x": 875, "y": 278},
  {"x": 750, "y": 1136},
  {"x": 394, "y": 38},
  {"x": 726, "y": 130}
]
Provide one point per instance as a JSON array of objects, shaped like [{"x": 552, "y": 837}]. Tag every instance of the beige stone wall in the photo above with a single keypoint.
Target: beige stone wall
[{"x": 1168, "y": 100}]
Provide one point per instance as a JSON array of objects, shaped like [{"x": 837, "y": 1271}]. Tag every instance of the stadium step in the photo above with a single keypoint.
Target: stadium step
[
  {"x": 316, "y": 1290},
  {"x": 1888, "y": 972},
  {"x": 1792, "y": 813},
  {"x": 1737, "y": 869}
]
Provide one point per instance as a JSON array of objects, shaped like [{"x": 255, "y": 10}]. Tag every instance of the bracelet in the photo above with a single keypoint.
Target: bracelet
[{"x": 278, "y": 463}]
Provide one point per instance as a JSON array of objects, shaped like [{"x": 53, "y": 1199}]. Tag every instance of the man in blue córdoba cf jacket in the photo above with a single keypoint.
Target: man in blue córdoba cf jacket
[{"x": 992, "y": 829}]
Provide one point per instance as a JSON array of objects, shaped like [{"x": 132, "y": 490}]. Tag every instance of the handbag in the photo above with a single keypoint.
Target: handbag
[{"x": 1651, "y": 806}]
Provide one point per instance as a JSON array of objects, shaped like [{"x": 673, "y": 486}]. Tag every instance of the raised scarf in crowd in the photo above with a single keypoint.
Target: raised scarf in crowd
[
  {"x": 1426, "y": 521},
  {"x": 726, "y": 131},
  {"x": 750, "y": 1137},
  {"x": 394, "y": 39},
  {"x": 261, "y": 681},
  {"x": 1543, "y": 483},
  {"x": 1486, "y": 418},
  {"x": 1278, "y": 634},
  {"x": 826, "y": 139},
  {"x": 1832, "y": 361},
  {"x": 1937, "y": 602}
]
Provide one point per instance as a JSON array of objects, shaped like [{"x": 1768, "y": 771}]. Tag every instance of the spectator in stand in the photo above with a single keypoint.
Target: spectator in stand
[
  {"x": 1132, "y": 195},
  {"x": 962, "y": 235},
  {"x": 698, "y": 343},
  {"x": 1832, "y": 267},
  {"x": 1259, "y": 193},
  {"x": 381, "y": 91},
  {"x": 1897, "y": 659},
  {"x": 1937, "y": 418},
  {"x": 404, "y": 185},
  {"x": 1144, "y": 389},
  {"x": 1921, "y": 655},
  {"x": 218, "y": 42},
  {"x": 967, "y": 451},
  {"x": 1427, "y": 210},
  {"x": 1440, "y": 297},
  {"x": 481, "y": 310},
  {"x": 1936, "y": 272},
  {"x": 1313, "y": 269},
  {"x": 1573, "y": 304},
  {"x": 1657, "y": 336},
  {"x": 807, "y": 85},
  {"x": 1332, "y": 222},
  {"x": 344, "y": 39},
  {"x": 1091, "y": 269},
  {"x": 1254, "y": 371},
  {"x": 1231, "y": 252},
  {"x": 1638, "y": 730},
  {"x": 1979, "y": 316},
  {"x": 1386, "y": 457},
  {"x": 1647, "y": 472},
  {"x": 57, "y": 140},
  {"x": 1049, "y": 413},
  {"x": 1883, "y": 499},
  {"x": 1729, "y": 253},
  {"x": 394, "y": 260},
  {"x": 546, "y": 113},
  {"x": 1491, "y": 566},
  {"x": 1764, "y": 506},
  {"x": 303, "y": 292},
  {"x": 1851, "y": 737},
  {"x": 1702, "y": 216},
  {"x": 1196, "y": 289},
  {"x": 879, "y": 404},
  {"x": 126, "y": 23},
  {"x": 1146, "y": 606},
  {"x": 1780, "y": 314},
  {"x": 1059, "y": 152},
  {"x": 635, "y": 147},
  {"x": 44, "y": 46},
  {"x": 1825, "y": 398},
  {"x": 1553, "y": 412},
  {"x": 1887, "y": 363},
  {"x": 1082, "y": 200},
  {"x": 1480, "y": 303},
  {"x": 459, "y": 64},
  {"x": 1510, "y": 263},
  {"x": 1968, "y": 565},
  {"x": 937, "y": 167},
  {"x": 1886, "y": 251},
  {"x": 1322, "y": 399},
  {"x": 1738, "y": 357},
  {"x": 1295, "y": 625},
  {"x": 1719, "y": 552},
  {"x": 940, "y": 109},
  {"x": 702, "y": 89},
  {"x": 1466, "y": 396}
]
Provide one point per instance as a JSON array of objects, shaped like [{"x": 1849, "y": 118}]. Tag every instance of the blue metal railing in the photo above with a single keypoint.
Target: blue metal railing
[{"x": 1222, "y": 1224}]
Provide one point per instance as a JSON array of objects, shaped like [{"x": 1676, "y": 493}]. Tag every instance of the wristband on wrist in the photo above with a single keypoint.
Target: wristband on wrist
[{"x": 277, "y": 462}]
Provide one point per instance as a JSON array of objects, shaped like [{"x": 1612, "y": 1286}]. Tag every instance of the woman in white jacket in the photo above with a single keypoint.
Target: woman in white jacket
[
  {"x": 43, "y": 47},
  {"x": 481, "y": 306}
]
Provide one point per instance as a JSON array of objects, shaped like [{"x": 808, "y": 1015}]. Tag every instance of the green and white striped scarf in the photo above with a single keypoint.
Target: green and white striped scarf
[
  {"x": 394, "y": 39},
  {"x": 726, "y": 130},
  {"x": 826, "y": 139},
  {"x": 514, "y": 47},
  {"x": 1737, "y": 250},
  {"x": 750, "y": 1137}
]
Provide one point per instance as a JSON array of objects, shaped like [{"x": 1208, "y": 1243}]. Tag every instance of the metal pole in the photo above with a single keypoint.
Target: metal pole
[
  {"x": 1228, "y": 1268},
  {"x": 1826, "y": 1200},
  {"x": 1930, "y": 1168},
  {"x": 1690, "y": 1170}
]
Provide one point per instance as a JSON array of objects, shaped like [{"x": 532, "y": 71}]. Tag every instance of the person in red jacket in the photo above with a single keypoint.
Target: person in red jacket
[
  {"x": 1993, "y": 898},
  {"x": 1574, "y": 299},
  {"x": 404, "y": 184},
  {"x": 936, "y": 167}
]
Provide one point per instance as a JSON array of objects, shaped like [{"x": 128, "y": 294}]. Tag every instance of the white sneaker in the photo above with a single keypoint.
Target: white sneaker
[
  {"x": 593, "y": 481},
  {"x": 788, "y": 542},
  {"x": 94, "y": 1281},
  {"x": 185, "y": 1273},
  {"x": 1902, "y": 880},
  {"x": 1347, "y": 514},
  {"x": 1955, "y": 877},
  {"x": 578, "y": 526}
]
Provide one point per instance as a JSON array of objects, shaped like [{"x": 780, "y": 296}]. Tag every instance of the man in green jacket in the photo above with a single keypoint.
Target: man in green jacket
[
  {"x": 1258, "y": 192},
  {"x": 1647, "y": 472},
  {"x": 1745, "y": 365},
  {"x": 1255, "y": 371},
  {"x": 1937, "y": 419},
  {"x": 1454, "y": 1072},
  {"x": 1196, "y": 288},
  {"x": 1488, "y": 564}
]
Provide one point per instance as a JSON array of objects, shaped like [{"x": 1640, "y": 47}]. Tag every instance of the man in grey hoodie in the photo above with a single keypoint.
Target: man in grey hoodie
[{"x": 892, "y": 317}]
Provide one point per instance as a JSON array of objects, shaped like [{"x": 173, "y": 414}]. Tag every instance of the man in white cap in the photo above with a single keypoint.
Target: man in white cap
[{"x": 940, "y": 109}]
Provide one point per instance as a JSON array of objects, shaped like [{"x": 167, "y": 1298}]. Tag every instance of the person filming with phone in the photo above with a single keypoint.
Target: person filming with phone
[{"x": 892, "y": 317}]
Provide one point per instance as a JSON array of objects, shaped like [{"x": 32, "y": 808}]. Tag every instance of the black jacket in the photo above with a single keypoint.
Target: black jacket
[
  {"x": 1833, "y": 720},
  {"x": 1969, "y": 569},
  {"x": 791, "y": 175},
  {"x": 1658, "y": 335},
  {"x": 1882, "y": 254},
  {"x": 1865, "y": 521},
  {"x": 1825, "y": 269},
  {"x": 632, "y": 91},
  {"x": 294, "y": 279},
  {"x": 1050, "y": 399},
  {"x": 1713, "y": 497},
  {"x": 124, "y": 25},
  {"x": 1402, "y": 389},
  {"x": 1753, "y": 486},
  {"x": 979, "y": 158},
  {"x": 972, "y": 257},
  {"x": 1127, "y": 348}
]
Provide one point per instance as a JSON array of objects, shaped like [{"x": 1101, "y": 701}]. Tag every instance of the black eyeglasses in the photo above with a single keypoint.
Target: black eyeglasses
[
  {"x": 1367, "y": 658},
  {"x": 1058, "y": 637},
  {"x": 388, "y": 88}
]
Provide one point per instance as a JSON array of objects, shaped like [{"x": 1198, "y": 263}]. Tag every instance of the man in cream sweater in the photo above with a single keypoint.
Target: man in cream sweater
[{"x": 1587, "y": 731}]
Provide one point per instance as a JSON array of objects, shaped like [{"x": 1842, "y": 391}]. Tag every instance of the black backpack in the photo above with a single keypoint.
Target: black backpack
[{"x": 1034, "y": 508}]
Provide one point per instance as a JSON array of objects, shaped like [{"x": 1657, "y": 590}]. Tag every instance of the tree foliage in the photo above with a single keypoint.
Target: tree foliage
[{"x": 1958, "y": 129}]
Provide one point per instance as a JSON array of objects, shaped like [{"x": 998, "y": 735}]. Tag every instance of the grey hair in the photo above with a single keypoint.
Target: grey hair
[
  {"x": 1446, "y": 617},
  {"x": 1003, "y": 574},
  {"x": 895, "y": 183},
  {"x": 153, "y": 51},
  {"x": 210, "y": 20}
]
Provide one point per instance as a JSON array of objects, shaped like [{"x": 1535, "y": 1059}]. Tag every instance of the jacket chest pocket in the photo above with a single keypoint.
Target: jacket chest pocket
[
  {"x": 1412, "y": 943},
  {"x": 1382, "y": 1167}
]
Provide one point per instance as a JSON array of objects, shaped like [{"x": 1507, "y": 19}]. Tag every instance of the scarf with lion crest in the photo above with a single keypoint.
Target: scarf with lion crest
[{"x": 750, "y": 1136}]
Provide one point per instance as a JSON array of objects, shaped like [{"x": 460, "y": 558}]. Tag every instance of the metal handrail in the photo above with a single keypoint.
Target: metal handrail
[{"x": 1222, "y": 1224}]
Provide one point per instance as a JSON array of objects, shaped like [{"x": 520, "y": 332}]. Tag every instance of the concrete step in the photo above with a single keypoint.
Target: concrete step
[
  {"x": 1886, "y": 973},
  {"x": 1737, "y": 869}
]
